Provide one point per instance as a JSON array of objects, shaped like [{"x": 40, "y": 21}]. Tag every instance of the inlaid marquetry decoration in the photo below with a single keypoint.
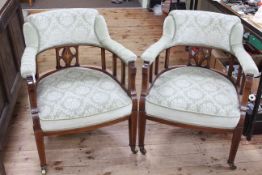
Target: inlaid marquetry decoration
[
  {"x": 199, "y": 56},
  {"x": 67, "y": 57}
]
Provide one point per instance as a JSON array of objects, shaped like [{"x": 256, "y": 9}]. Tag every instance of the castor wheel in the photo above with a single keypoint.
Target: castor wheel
[
  {"x": 133, "y": 149},
  {"x": 142, "y": 150},
  {"x": 43, "y": 170},
  {"x": 232, "y": 166}
]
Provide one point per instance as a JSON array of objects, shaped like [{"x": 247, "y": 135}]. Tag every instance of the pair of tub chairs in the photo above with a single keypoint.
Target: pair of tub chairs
[{"x": 72, "y": 99}]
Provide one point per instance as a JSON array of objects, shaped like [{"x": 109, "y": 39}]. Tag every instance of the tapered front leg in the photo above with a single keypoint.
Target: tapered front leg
[
  {"x": 234, "y": 147},
  {"x": 39, "y": 138},
  {"x": 142, "y": 127},
  {"x": 30, "y": 3},
  {"x": 132, "y": 123}
]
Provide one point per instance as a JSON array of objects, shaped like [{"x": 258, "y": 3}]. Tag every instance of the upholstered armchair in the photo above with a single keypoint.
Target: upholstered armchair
[
  {"x": 71, "y": 98},
  {"x": 196, "y": 95}
]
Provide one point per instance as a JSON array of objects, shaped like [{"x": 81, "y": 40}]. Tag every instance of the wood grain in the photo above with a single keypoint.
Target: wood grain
[{"x": 11, "y": 50}]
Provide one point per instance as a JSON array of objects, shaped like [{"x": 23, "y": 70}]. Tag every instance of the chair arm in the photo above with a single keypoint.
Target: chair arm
[
  {"x": 105, "y": 40},
  {"x": 245, "y": 60},
  {"x": 28, "y": 63},
  {"x": 123, "y": 53},
  {"x": 154, "y": 50}
]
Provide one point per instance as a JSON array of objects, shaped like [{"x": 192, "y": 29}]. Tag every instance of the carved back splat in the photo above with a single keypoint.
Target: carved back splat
[
  {"x": 201, "y": 56},
  {"x": 65, "y": 56}
]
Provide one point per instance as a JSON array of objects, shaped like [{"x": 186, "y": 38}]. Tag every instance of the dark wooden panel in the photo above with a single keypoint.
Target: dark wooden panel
[
  {"x": 11, "y": 49},
  {"x": 2, "y": 169},
  {"x": 2, "y": 98},
  {"x": 257, "y": 127},
  {"x": 8, "y": 9},
  {"x": 16, "y": 38},
  {"x": 7, "y": 62}
]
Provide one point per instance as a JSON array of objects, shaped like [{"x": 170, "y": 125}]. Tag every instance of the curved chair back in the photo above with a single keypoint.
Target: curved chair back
[
  {"x": 207, "y": 29},
  {"x": 64, "y": 27},
  {"x": 203, "y": 29}
]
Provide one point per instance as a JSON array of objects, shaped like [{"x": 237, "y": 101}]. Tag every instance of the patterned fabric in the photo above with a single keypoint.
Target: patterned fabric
[
  {"x": 207, "y": 29},
  {"x": 204, "y": 28},
  {"x": 196, "y": 90},
  {"x": 29, "y": 66},
  {"x": 196, "y": 119},
  {"x": 64, "y": 26},
  {"x": 67, "y": 27},
  {"x": 79, "y": 92}
]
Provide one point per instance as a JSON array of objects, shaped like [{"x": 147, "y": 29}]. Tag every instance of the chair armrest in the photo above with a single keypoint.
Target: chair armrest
[
  {"x": 154, "y": 50},
  {"x": 105, "y": 40},
  {"x": 28, "y": 62},
  {"x": 123, "y": 53},
  {"x": 245, "y": 60}
]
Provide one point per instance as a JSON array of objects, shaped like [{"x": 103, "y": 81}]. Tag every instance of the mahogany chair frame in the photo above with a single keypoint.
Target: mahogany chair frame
[
  {"x": 30, "y": 2},
  {"x": 242, "y": 83},
  {"x": 66, "y": 57}
]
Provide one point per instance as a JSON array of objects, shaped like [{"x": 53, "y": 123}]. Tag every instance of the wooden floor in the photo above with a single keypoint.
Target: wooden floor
[
  {"x": 44, "y": 4},
  {"x": 171, "y": 151}
]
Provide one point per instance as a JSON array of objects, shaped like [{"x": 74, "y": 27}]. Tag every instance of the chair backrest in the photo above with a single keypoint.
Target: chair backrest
[
  {"x": 207, "y": 29},
  {"x": 62, "y": 27}
]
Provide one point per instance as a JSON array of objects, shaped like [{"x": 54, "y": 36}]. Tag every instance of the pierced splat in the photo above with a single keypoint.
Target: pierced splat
[
  {"x": 67, "y": 57},
  {"x": 200, "y": 56}
]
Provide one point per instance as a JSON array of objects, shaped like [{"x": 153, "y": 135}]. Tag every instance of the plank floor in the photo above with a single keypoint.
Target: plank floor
[{"x": 171, "y": 150}]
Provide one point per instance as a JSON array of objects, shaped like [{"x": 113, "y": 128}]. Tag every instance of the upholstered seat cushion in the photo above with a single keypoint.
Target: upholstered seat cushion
[
  {"x": 193, "y": 95},
  {"x": 79, "y": 97}
]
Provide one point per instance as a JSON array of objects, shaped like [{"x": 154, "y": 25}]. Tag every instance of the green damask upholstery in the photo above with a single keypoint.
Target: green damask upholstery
[
  {"x": 67, "y": 27},
  {"x": 204, "y": 29},
  {"x": 78, "y": 97},
  {"x": 194, "y": 95}
]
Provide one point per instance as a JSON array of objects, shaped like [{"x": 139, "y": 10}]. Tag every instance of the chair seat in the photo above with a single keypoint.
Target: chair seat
[
  {"x": 195, "y": 96},
  {"x": 80, "y": 97}
]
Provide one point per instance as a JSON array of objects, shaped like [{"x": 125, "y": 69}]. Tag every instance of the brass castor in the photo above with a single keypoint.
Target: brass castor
[
  {"x": 133, "y": 149},
  {"x": 43, "y": 170},
  {"x": 142, "y": 150},
  {"x": 232, "y": 166}
]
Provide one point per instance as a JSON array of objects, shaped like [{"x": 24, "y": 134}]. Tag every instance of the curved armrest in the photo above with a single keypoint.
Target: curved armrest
[
  {"x": 154, "y": 50},
  {"x": 122, "y": 52},
  {"x": 245, "y": 60},
  {"x": 102, "y": 34},
  {"x": 28, "y": 63}
]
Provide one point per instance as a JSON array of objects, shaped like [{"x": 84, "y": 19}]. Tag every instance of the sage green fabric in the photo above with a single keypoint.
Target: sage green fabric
[
  {"x": 203, "y": 29},
  {"x": 60, "y": 125},
  {"x": 79, "y": 93},
  {"x": 67, "y": 27},
  {"x": 195, "y": 90}
]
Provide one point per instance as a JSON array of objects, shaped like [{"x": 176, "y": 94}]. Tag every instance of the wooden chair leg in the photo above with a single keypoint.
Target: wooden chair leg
[
  {"x": 132, "y": 123},
  {"x": 142, "y": 127},
  {"x": 39, "y": 138},
  {"x": 30, "y": 2},
  {"x": 234, "y": 146}
]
